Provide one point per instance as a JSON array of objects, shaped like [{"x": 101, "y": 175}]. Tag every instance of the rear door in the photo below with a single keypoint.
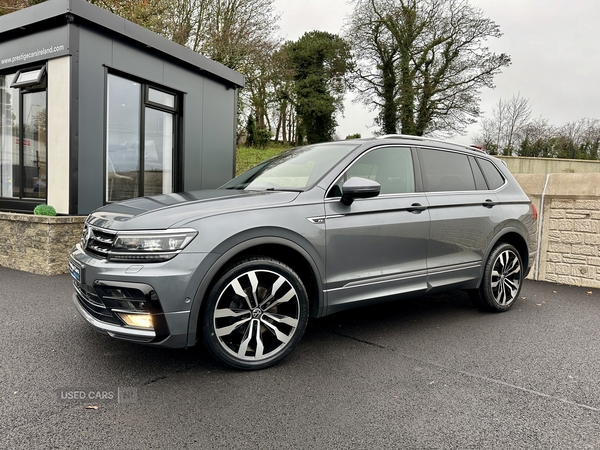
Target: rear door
[
  {"x": 377, "y": 247},
  {"x": 464, "y": 216}
]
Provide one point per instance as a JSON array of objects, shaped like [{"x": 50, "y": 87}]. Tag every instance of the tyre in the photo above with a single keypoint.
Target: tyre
[
  {"x": 502, "y": 279},
  {"x": 255, "y": 314}
]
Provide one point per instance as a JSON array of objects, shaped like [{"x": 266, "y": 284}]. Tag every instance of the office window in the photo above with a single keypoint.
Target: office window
[
  {"x": 140, "y": 139},
  {"x": 23, "y": 125}
]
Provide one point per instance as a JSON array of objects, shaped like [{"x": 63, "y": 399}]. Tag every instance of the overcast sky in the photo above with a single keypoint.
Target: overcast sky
[{"x": 554, "y": 46}]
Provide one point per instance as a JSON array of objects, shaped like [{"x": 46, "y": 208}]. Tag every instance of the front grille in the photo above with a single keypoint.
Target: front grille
[
  {"x": 93, "y": 304},
  {"x": 97, "y": 241}
]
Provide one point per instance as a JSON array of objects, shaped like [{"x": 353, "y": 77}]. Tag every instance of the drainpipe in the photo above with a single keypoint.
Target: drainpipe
[{"x": 541, "y": 221}]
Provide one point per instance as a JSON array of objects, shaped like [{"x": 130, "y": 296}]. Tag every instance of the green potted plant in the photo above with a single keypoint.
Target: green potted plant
[{"x": 44, "y": 210}]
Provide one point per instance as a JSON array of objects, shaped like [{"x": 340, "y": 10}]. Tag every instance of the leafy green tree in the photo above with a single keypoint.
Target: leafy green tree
[
  {"x": 538, "y": 139},
  {"x": 578, "y": 140},
  {"x": 250, "y": 131},
  {"x": 318, "y": 62},
  {"x": 422, "y": 63},
  {"x": 263, "y": 136}
]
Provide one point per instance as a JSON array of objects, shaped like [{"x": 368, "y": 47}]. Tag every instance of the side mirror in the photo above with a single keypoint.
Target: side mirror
[{"x": 357, "y": 187}]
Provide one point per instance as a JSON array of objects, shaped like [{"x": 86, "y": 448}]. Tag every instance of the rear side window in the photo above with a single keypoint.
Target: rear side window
[
  {"x": 446, "y": 171},
  {"x": 479, "y": 179},
  {"x": 492, "y": 175}
]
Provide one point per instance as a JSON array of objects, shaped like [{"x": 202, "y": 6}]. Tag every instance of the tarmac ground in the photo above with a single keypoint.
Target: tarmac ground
[{"x": 428, "y": 373}]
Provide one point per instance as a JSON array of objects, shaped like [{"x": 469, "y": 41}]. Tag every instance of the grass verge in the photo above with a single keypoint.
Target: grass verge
[{"x": 247, "y": 157}]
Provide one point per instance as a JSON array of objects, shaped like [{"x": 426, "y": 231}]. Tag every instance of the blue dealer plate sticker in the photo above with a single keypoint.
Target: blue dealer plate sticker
[{"x": 75, "y": 272}]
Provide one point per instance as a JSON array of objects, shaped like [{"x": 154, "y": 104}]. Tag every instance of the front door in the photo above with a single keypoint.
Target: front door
[{"x": 377, "y": 247}]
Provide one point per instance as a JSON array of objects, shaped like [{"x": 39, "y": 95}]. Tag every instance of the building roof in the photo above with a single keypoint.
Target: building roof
[{"x": 47, "y": 13}]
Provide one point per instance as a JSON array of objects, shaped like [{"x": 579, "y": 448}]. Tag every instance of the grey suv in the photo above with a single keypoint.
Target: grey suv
[{"x": 313, "y": 231}]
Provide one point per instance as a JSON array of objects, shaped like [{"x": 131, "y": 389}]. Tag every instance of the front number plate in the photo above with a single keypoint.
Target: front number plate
[{"x": 75, "y": 272}]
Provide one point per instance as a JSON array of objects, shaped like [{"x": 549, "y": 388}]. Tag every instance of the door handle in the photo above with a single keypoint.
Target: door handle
[
  {"x": 489, "y": 203},
  {"x": 416, "y": 208}
]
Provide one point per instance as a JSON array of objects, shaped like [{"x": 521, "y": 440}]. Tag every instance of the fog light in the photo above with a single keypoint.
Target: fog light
[{"x": 137, "y": 320}]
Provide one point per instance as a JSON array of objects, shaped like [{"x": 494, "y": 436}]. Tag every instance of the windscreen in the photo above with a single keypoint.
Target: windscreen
[{"x": 296, "y": 170}]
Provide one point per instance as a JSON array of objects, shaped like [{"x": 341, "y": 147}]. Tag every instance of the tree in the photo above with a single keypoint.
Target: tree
[
  {"x": 503, "y": 131},
  {"x": 538, "y": 139},
  {"x": 239, "y": 34},
  {"x": 8, "y": 6},
  {"x": 318, "y": 62},
  {"x": 284, "y": 97},
  {"x": 422, "y": 63},
  {"x": 231, "y": 32},
  {"x": 250, "y": 131},
  {"x": 377, "y": 55},
  {"x": 578, "y": 140},
  {"x": 148, "y": 14},
  {"x": 517, "y": 114}
]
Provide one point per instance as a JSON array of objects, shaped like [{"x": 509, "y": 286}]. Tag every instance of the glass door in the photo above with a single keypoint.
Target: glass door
[{"x": 33, "y": 145}]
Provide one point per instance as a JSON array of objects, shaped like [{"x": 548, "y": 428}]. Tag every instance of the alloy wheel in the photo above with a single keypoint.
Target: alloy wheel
[
  {"x": 506, "y": 277},
  {"x": 256, "y": 315}
]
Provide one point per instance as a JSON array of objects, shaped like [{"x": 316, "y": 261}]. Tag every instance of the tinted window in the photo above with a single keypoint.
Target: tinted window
[
  {"x": 446, "y": 171},
  {"x": 479, "y": 179},
  {"x": 391, "y": 167},
  {"x": 492, "y": 175}
]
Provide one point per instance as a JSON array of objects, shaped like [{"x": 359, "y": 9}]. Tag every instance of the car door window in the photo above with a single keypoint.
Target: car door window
[
  {"x": 391, "y": 167},
  {"x": 479, "y": 179},
  {"x": 493, "y": 177},
  {"x": 446, "y": 171}
]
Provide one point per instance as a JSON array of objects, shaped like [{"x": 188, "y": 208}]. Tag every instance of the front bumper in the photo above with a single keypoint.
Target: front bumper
[
  {"x": 164, "y": 291},
  {"x": 116, "y": 331}
]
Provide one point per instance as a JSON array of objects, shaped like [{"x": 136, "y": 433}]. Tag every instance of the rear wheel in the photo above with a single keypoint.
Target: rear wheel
[
  {"x": 502, "y": 279},
  {"x": 255, "y": 314}
]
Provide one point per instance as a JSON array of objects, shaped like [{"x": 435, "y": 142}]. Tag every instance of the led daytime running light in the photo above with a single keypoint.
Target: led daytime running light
[{"x": 150, "y": 246}]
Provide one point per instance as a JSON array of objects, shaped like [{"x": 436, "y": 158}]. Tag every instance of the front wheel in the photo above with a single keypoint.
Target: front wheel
[
  {"x": 502, "y": 279},
  {"x": 255, "y": 314}
]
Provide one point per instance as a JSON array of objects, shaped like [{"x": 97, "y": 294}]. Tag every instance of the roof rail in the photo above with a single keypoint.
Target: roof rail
[
  {"x": 422, "y": 138},
  {"x": 403, "y": 136}
]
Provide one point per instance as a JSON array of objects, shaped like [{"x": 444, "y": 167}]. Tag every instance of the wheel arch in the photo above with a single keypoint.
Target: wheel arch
[
  {"x": 293, "y": 254},
  {"x": 510, "y": 235}
]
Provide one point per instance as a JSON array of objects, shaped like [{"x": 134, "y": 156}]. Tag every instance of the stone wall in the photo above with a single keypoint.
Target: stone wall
[
  {"x": 38, "y": 244},
  {"x": 521, "y": 164},
  {"x": 569, "y": 211}
]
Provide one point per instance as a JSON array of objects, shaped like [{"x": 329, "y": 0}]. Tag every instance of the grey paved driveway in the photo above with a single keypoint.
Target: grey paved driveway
[{"x": 430, "y": 373}]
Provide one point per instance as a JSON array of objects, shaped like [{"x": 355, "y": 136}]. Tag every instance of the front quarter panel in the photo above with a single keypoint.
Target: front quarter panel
[{"x": 225, "y": 236}]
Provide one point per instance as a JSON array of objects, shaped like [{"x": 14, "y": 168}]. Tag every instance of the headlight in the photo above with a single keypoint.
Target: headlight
[{"x": 150, "y": 246}]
